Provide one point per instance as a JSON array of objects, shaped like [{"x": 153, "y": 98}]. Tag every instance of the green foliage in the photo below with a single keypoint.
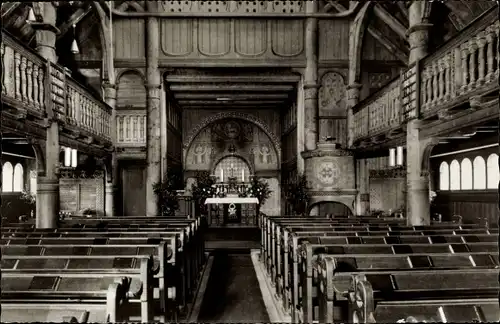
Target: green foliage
[
  {"x": 203, "y": 188},
  {"x": 297, "y": 195},
  {"x": 29, "y": 198},
  {"x": 166, "y": 192},
  {"x": 260, "y": 190}
]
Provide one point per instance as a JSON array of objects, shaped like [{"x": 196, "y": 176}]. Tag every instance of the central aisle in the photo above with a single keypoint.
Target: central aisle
[{"x": 233, "y": 293}]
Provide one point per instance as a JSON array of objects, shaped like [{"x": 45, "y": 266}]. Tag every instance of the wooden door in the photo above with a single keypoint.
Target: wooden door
[{"x": 134, "y": 190}]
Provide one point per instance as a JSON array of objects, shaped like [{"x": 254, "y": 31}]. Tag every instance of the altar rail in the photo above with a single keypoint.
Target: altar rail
[
  {"x": 464, "y": 66},
  {"x": 37, "y": 87}
]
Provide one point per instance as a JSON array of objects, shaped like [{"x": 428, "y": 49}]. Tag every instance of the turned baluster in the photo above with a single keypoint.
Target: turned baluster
[
  {"x": 481, "y": 42},
  {"x": 87, "y": 114},
  {"x": 447, "y": 77},
  {"x": 490, "y": 56},
  {"x": 29, "y": 75},
  {"x": 17, "y": 74},
  {"x": 496, "y": 28},
  {"x": 435, "y": 83},
  {"x": 23, "y": 80},
  {"x": 36, "y": 86},
  {"x": 424, "y": 86},
  {"x": 134, "y": 128},
  {"x": 465, "y": 70},
  {"x": 71, "y": 106},
  {"x": 3, "y": 69},
  {"x": 472, "y": 63},
  {"x": 41, "y": 87},
  {"x": 428, "y": 87},
  {"x": 81, "y": 111},
  {"x": 441, "y": 80}
]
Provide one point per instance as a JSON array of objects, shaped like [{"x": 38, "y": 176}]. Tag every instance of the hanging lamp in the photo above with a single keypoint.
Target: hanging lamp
[
  {"x": 74, "y": 45},
  {"x": 31, "y": 15}
]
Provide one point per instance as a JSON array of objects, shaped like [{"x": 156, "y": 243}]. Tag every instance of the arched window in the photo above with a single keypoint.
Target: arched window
[
  {"x": 18, "y": 178},
  {"x": 7, "y": 177},
  {"x": 466, "y": 174},
  {"x": 492, "y": 171},
  {"x": 454, "y": 175},
  {"x": 444, "y": 176},
  {"x": 479, "y": 173}
]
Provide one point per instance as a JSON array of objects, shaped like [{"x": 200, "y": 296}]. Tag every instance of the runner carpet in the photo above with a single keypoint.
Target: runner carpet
[{"x": 233, "y": 294}]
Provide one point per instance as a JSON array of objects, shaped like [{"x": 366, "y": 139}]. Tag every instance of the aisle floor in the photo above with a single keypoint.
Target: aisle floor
[{"x": 233, "y": 294}]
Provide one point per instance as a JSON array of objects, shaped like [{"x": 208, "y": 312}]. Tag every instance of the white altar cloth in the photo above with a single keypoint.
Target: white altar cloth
[{"x": 232, "y": 200}]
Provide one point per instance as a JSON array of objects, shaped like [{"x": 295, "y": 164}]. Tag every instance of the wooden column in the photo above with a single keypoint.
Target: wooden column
[
  {"x": 111, "y": 187},
  {"x": 417, "y": 198},
  {"x": 47, "y": 195},
  {"x": 153, "y": 139},
  {"x": 311, "y": 79}
]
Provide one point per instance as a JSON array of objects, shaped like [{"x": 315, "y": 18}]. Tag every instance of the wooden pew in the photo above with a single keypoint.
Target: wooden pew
[
  {"x": 288, "y": 267},
  {"x": 369, "y": 258},
  {"x": 109, "y": 281},
  {"x": 162, "y": 255},
  {"x": 179, "y": 260},
  {"x": 459, "y": 295},
  {"x": 282, "y": 238}
]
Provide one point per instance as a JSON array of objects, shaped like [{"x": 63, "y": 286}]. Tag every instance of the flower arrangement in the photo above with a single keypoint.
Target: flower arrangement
[
  {"x": 28, "y": 197},
  {"x": 166, "y": 192},
  {"x": 297, "y": 195},
  {"x": 259, "y": 189},
  {"x": 203, "y": 188}
]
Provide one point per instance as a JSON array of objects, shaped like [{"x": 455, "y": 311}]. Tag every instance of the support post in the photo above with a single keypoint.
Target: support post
[
  {"x": 111, "y": 185},
  {"x": 47, "y": 199},
  {"x": 417, "y": 198},
  {"x": 153, "y": 138}
]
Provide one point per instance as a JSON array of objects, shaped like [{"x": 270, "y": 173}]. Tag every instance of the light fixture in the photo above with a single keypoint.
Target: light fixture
[
  {"x": 74, "y": 45},
  {"x": 392, "y": 157},
  {"x": 399, "y": 156},
  {"x": 224, "y": 99},
  {"x": 31, "y": 15},
  {"x": 74, "y": 158},
  {"x": 67, "y": 156}
]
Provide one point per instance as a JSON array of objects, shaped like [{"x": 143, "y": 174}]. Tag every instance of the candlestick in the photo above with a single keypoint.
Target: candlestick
[
  {"x": 221, "y": 175},
  {"x": 242, "y": 175}
]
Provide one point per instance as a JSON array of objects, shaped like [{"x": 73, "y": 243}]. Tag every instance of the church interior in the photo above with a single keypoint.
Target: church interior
[{"x": 250, "y": 161}]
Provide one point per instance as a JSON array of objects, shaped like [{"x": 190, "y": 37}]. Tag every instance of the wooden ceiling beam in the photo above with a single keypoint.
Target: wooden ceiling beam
[
  {"x": 389, "y": 19},
  {"x": 75, "y": 18},
  {"x": 231, "y": 87},
  {"x": 240, "y": 96},
  {"x": 229, "y": 103},
  {"x": 232, "y": 79},
  {"x": 387, "y": 43},
  {"x": 8, "y": 8}
]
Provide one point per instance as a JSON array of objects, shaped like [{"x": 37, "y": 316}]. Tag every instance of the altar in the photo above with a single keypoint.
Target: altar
[{"x": 232, "y": 210}]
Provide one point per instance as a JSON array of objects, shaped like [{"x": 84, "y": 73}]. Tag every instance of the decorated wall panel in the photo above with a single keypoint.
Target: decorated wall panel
[
  {"x": 79, "y": 192},
  {"x": 333, "y": 41},
  {"x": 129, "y": 36},
  {"x": 232, "y": 38},
  {"x": 330, "y": 173},
  {"x": 387, "y": 194},
  {"x": 131, "y": 91},
  {"x": 231, "y": 136},
  {"x": 332, "y": 108},
  {"x": 196, "y": 119}
]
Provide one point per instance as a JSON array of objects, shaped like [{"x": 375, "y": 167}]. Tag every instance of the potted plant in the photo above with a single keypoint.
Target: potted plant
[
  {"x": 166, "y": 192},
  {"x": 30, "y": 200},
  {"x": 298, "y": 196},
  {"x": 202, "y": 189},
  {"x": 260, "y": 190}
]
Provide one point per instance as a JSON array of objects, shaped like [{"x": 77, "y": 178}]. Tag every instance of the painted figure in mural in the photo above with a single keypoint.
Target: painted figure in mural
[
  {"x": 265, "y": 154},
  {"x": 199, "y": 153},
  {"x": 232, "y": 130}
]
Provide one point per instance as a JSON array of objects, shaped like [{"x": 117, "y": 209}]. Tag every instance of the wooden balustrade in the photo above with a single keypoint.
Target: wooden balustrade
[
  {"x": 36, "y": 86},
  {"x": 23, "y": 77},
  {"x": 131, "y": 127},
  {"x": 466, "y": 65},
  {"x": 380, "y": 113}
]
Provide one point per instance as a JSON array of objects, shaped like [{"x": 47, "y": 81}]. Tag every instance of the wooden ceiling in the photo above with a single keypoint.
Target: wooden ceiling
[{"x": 233, "y": 89}]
